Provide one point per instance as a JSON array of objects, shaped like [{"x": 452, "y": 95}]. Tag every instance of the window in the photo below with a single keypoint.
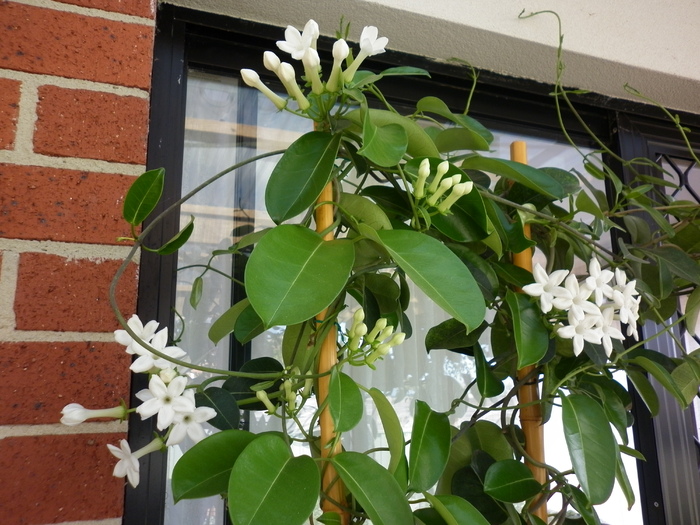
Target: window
[{"x": 199, "y": 112}]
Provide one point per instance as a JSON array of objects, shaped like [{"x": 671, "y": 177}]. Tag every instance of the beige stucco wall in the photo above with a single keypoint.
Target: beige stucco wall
[{"x": 653, "y": 46}]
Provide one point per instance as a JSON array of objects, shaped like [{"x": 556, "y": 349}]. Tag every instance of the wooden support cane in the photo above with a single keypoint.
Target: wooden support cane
[
  {"x": 330, "y": 482},
  {"x": 530, "y": 415}
]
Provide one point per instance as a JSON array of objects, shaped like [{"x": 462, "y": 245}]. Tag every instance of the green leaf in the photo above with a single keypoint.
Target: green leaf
[
  {"x": 225, "y": 324},
  {"x": 242, "y": 387},
  {"x": 430, "y": 447},
  {"x": 591, "y": 444},
  {"x": 581, "y": 504},
  {"x": 510, "y": 232},
  {"x": 143, "y": 196},
  {"x": 452, "y": 335},
  {"x": 645, "y": 390},
  {"x": 227, "y": 413},
  {"x": 687, "y": 377},
  {"x": 392, "y": 428},
  {"x": 196, "y": 293},
  {"x": 623, "y": 481},
  {"x": 301, "y": 174},
  {"x": 248, "y": 325},
  {"x": 291, "y": 289},
  {"x": 459, "y": 510},
  {"x": 204, "y": 470},
  {"x": 419, "y": 142},
  {"x": 344, "y": 401},
  {"x": 531, "y": 336},
  {"x": 479, "y": 136},
  {"x": 467, "y": 484},
  {"x": 385, "y": 291},
  {"x": 269, "y": 485},
  {"x": 299, "y": 346},
  {"x": 585, "y": 203},
  {"x": 438, "y": 272},
  {"x": 510, "y": 481},
  {"x": 385, "y": 145},
  {"x": 460, "y": 457},
  {"x": 663, "y": 376},
  {"x": 486, "y": 380},
  {"x": 374, "y": 488},
  {"x": 692, "y": 312},
  {"x": 489, "y": 437},
  {"x": 679, "y": 262},
  {"x": 533, "y": 178},
  {"x": 178, "y": 240},
  {"x": 364, "y": 210}
]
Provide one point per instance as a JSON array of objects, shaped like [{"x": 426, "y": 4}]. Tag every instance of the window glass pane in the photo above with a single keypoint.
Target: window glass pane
[{"x": 226, "y": 124}]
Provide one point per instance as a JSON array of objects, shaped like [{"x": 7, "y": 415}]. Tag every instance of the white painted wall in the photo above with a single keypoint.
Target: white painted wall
[{"x": 653, "y": 46}]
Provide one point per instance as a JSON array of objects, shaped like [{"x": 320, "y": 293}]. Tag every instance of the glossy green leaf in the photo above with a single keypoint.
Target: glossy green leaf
[
  {"x": 679, "y": 262},
  {"x": 438, "y": 272},
  {"x": 384, "y": 145},
  {"x": 364, "y": 210},
  {"x": 460, "y": 457},
  {"x": 301, "y": 174},
  {"x": 392, "y": 428},
  {"x": 385, "y": 291},
  {"x": 531, "y": 336},
  {"x": 242, "y": 387},
  {"x": 306, "y": 280},
  {"x": 455, "y": 139},
  {"x": 248, "y": 325},
  {"x": 481, "y": 269},
  {"x": 467, "y": 484},
  {"x": 269, "y": 485},
  {"x": 452, "y": 335},
  {"x": 430, "y": 447},
  {"x": 143, "y": 196},
  {"x": 510, "y": 481},
  {"x": 196, "y": 292},
  {"x": 330, "y": 518},
  {"x": 344, "y": 401},
  {"x": 591, "y": 444},
  {"x": 453, "y": 509},
  {"x": 687, "y": 377},
  {"x": 510, "y": 232},
  {"x": 486, "y": 381},
  {"x": 489, "y": 437},
  {"x": 374, "y": 488},
  {"x": 204, "y": 470},
  {"x": 363, "y": 78},
  {"x": 692, "y": 312},
  {"x": 225, "y": 324},
  {"x": 227, "y": 413},
  {"x": 178, "y": 240},
  {"x": 615, "y": 411},
  {"x": 482, "y": 137},
  {"x": 533, "y": 178},
  {"x": 586, "y": 204},
  {"x": 645, "y": 390},
  {"x": 581, "y": 504},
  {"x": 419, "y": 142},
  {"x": 623, "y": 481},
  {"x": 299, "y": 346},
  {"x": 662, "y": 375}
]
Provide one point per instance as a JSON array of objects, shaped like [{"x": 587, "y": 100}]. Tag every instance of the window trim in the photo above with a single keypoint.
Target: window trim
[{"x": 185, "y": 36}]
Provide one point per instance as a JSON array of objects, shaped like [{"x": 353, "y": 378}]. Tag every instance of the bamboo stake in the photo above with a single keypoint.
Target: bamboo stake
[
  {"x": 531, "y": 414},
  {"x": 330, "y": 482}
]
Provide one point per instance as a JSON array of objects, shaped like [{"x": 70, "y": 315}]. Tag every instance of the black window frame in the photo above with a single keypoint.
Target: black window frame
[{"x": 217, "y": 43}]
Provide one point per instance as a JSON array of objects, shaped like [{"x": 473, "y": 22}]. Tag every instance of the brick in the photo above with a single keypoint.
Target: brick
[
  {"x": 42, "y": 40},
  {"x": 91, "y": 125},
  {"x": 9, "y": 109},
  {"x": 59, "y": 294},
  {"x": 38, "y": 379},
  {"x": 143, "y": 8},
  {"x": 39, "y": 203},
  {"x": 51, "y": 479}
]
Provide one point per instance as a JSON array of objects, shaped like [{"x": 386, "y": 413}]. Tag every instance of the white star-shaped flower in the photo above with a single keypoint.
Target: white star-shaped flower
[
  {"x": 576, "y": 300},
  {"x": 190, "y": 424},
  {"x": 580, "y": 331},
  {"x": 296, "y": 43},
  {"x": 371, "y": 43},
  {"x": 164, "y": 400},
  {"x": 147, "y": 360},
  {"x": 598, "y": 281},
  {"x": 606, "y": 324},
  {"x": 144, "y": 333},
  {"x": 546, "y": 287},
  {"x": 128, "y": 464}
]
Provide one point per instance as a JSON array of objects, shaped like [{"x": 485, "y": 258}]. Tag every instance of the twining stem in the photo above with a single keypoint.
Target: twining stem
[{"x": 528, "y": 395}]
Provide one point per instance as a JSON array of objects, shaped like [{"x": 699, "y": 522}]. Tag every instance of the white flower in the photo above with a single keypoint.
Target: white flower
[
  {"x": 580, "y": 331},
  {"x": 128, "y": 464},
  {"x": 312, "y": 68},
  {"x": 296, "y": 43},
  {"x": 340, "y": 53},
  {"x": 576, "y": 299},
  {"x": 288, "y": 77},
  {"x": 252, "y": 79},
  {"x": 147, "y": 360},
  {"x": 598, "y": 281},
  {"x": 144, "y": 333},
  {"x": 606, "y": 323},
  {"x": 164, "y": 400},
  {"x": 624, "y": 296},
  {"x": 271, "y": 61},
  {"x": 74, "y": 413},
  {"x": 190, "y": 424},
  {"x": 370, "y": 45},
  {"x": 546, "y": 287}
]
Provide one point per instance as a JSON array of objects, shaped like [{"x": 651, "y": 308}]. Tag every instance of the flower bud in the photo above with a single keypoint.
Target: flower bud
[
  {"x": 360, "y": 330},
  {"x": 458, "y": 191},
  {"x": 357, "y": 318},
  {"x": 262, "y": 396},
  {"x": 74, "y": 413},
  {"x": 444, "y": 186},
  {"x": 423, "y": 172},
  {"x": 288, "y": 78},
  {"x": 441, "y": 170},
  {"x": 252, "y": 79},
  {"x": 312, "y": 67},
  {"x": 271, "y": 61},
  {"x": 340, "y": 53},
  {"x": 378, "y": 327}
]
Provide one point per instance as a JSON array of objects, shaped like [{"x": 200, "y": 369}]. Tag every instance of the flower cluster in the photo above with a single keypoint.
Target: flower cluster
[
  {"x": 302, "y": 46},
  {"x": 431, "y": 194},
  {"x": 366, "y": 346},
  {"x": 166, "y": 397},
  {"x": 593, "y": 307}
]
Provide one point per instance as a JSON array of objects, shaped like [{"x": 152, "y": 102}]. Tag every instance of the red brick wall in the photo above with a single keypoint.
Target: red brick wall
[{"x": 74, "y": 87}]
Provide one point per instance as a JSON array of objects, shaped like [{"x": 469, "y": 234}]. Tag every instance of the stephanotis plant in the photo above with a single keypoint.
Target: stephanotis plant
[{"x": 458, "y": 224}]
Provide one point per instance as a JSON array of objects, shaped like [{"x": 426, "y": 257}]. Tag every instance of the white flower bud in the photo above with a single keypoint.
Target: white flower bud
[
  {"x": 288, "y": 78},
  {"x": 441, "y": 170},
  {"x": 423, "y": 172},
  {"x": 252, "y": 79},
  {"x": 378, "y": 327},
  {"x": 340, "y": 53},
  {"x": 458, "y": 191},
  {"x": 271, "y": 61},
  {"x": 444, "y": 186}
]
